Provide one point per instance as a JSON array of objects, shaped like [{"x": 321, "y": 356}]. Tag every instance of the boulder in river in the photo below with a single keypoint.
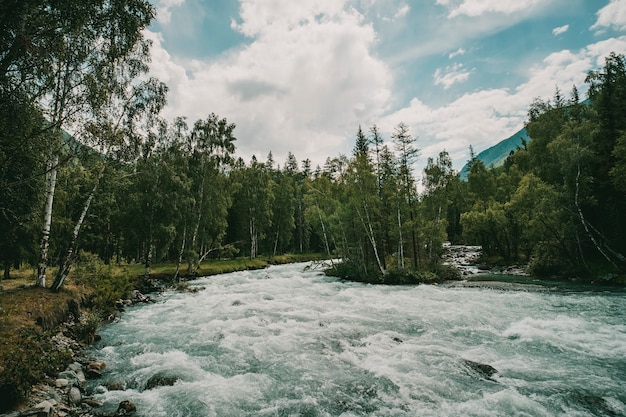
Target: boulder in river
[
  {"x": 161, "y": 380},
  {"x": 74, "y": 397},
  {"x": 483, "y": 370},
  {"x": 125, "y": 408}
]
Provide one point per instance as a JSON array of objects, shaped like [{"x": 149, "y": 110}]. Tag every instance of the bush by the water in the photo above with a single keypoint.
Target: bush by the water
[
  {"x": 353, "y": 271},
  {"x": 107, "y": 285},
  {"x": 34, "y": 358}
]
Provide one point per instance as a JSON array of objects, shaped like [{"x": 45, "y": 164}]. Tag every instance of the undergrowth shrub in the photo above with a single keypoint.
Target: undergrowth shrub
[
  {"x": 87, "y": 326},
  {"x": 545, "y": 261},
  {"x": 448, "y": 273},
  {"x": 30, "y": 361},
  {"x": 108, "y": 287},
  {"x": 354, "y": 271}
]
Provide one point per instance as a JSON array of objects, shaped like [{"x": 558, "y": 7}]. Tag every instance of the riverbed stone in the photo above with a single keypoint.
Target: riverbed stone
[
  {"x": 125, "y": 408},
  {"x": 115, "y": 385},
  {"x": 75, "y": 366},
  {"x": 44, "y": 408},
  {"x": 74, "y": 396},
  {"x": 161, "y": 380},
  {"x": 92, "y": 403},
  {"x": 483, "y": 370},
  {"x": 91, "y": 373},
  {"x": 69, "y": 375},
  {"x": 61, "y": 383}
]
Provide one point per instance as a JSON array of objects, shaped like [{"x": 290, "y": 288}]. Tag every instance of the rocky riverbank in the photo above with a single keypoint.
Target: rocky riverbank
[
  {"x": 65, "y": 394},
  {"x": 466, "y": 259}
]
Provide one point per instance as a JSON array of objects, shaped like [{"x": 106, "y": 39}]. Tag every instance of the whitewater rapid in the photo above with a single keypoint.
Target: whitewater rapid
[{"x": 286, "y": 341}]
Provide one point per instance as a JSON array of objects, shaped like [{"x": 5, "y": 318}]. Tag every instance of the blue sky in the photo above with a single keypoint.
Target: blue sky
[{"x": 301, "y": 76}]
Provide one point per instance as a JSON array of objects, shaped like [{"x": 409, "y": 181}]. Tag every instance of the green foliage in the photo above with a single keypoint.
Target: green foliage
[
  {"x": 547, "y": 261},
  {"x": 33, "y": 358},
  {"x": 87, "y": 326},
  {"x": 107, "y": 285},
  {"x": 354, "y": 271},
  {"x": 559, "y": 201}
]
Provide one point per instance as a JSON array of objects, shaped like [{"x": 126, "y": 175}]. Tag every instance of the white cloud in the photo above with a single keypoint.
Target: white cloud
[
  {"x": 450, "y": 75},
  {"x": 560, "y": 30},
  {"x": 403, "y": 11},
  {"x": 475, "y": 8},
  {"x": 458, "y": 52},
  {"x": 611, "y": 15},
  {"x": 164, "y": 13},
  {"x": 483, "y": 118},
  {"x": 303, "y": 84},
  {"x": 259, "y": 17}
]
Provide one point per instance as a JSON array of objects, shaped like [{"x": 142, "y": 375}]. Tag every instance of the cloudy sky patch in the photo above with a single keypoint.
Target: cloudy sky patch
[{"x": 303, "y": 76}]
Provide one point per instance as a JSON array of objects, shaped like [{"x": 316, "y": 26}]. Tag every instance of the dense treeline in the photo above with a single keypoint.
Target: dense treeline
[
  {"x": 559, "y": 201},
  {"x": 131, "y": 187}
]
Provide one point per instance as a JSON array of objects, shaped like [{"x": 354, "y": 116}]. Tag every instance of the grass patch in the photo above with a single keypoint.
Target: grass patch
[{"x": 28, "y": 320}]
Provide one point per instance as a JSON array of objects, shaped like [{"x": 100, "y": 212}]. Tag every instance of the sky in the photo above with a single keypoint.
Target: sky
[{"x": 301, "y": 76}]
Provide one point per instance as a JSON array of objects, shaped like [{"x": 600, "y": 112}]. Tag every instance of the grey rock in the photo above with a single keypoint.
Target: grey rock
[
  {"x": 125, "y": 408},
  {"x": 161, "y": 380},
  {"x": 76, "y": 367},
  {"x": 74, "y": 396},
  {"x": 482, "y": 370},
  {"x": 45, "y": 408},
  {"x": 61, "y": 383},
  {"x": 69, "y": 375},
  {"x": 115, "y": 385}
]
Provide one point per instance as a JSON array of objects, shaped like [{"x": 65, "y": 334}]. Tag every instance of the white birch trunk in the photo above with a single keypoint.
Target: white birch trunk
[
  {"x": 400, "y": 242},
  {"x": 68, "y": 262},
  {"x": 51, "y": 182}
]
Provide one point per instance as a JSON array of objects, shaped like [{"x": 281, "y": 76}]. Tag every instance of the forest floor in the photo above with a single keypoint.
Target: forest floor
[{"x": 31, "y": 317}]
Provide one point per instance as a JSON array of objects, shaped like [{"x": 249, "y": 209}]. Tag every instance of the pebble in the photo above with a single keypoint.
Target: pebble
[
  {"x": 74, "y": 396},
  {"x": 61, "y": 383}
]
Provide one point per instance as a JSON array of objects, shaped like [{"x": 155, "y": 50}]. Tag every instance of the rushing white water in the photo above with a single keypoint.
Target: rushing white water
[{"x": 288, "y": 342}]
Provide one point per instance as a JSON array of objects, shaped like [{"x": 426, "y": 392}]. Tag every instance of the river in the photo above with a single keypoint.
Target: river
[{"x": 286, "y": 341}]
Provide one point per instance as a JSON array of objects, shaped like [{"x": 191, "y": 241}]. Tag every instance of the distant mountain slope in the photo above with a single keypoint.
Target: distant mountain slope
[{"x": 497, "y": 154}]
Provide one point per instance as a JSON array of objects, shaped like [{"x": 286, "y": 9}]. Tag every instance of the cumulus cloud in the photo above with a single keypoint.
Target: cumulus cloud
[
  {"x": 303, "y": 83},
  {"x": 483, "y": 118},
  {"x": 164, "y": 13},
  {"x": 475, "y": 8},
  {"x": 611, "y": 15},
  {"x": 450, "y": 75},
  {"x": 560, "y": 30}
]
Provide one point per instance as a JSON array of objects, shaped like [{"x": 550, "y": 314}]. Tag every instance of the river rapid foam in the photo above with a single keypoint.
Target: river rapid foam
[{"x": 286, "y": 341}]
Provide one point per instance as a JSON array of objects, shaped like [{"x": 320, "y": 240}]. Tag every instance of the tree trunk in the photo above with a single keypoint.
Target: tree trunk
[
  {"x": 70, "y": 256},
  {"x": 51, "y": 182},
  {"x": 148, "y": 260},
  {"x": 586, "y": 226},
  {"x": 276, "y": 241},
  {"x": 370, "y": 235},
  {"x": 253, "y": 234},
  {"x": 180, "y": 254},
  {"x": 196, "y": 228},
  {"x": 319, "y": 213},
  {"x": 400, "y": 242}
]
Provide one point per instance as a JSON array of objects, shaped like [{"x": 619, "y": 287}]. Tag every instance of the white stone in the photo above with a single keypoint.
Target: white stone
[{"x": 61, "y": 383}]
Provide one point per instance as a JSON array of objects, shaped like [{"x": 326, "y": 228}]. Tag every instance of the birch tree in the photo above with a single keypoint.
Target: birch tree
[{"x": 64, "y": 55}]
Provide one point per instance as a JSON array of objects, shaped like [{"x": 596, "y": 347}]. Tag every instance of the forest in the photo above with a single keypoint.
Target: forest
[{"x": 128, "y": 186}]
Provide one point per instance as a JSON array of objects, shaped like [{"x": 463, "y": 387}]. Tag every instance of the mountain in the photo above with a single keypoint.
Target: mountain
[{"x": 497, "y": 154}]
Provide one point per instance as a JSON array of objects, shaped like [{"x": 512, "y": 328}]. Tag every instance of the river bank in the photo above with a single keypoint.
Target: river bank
[{"x": 43, "y": 334}]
